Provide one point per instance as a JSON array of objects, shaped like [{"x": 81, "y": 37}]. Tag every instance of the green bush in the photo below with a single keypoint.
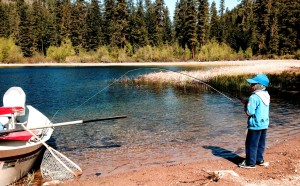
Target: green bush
[
  {"x": 297, "y": 56},
  {"x": 102, "y": 54},
  {"x": 240, "y": 54},
  {"x": 178, "y": 52},
  {"x": 248, "y": 53},
  {"x": 144, "y": 54},
  {"x": 122, "y": 56},
  {"x": 165, "y": 53},
  {"x": 213, "y": 51},
  {"x": 9, "y": 52},
  {"x": 62, "y": 52}
]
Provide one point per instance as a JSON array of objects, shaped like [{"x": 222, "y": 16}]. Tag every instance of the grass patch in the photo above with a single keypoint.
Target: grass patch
[{"x": 284, "y": 78}]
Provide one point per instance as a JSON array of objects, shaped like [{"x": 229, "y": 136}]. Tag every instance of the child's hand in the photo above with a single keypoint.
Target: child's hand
[{"x": 244, "y": 101}]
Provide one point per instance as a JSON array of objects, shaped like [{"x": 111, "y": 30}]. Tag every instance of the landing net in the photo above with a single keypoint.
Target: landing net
[{"x": 56, "y": 166}]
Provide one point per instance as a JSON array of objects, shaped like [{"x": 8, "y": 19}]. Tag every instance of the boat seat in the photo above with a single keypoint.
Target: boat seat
[
  {"x": 14, "y": 100},
  {"x": 13, "y": 107}
]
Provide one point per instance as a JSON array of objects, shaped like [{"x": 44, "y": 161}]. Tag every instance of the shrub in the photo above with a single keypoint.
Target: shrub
[
  {"x": 122, "y": 56},
  {"x": 297, "y": 56},
  {"x": 178, "y": 52},
  {"x": 62, "y": 52},
  {"x": 102, "y": 54},
  {"x": 213, "y": 51},
  {"x": 240, "y": 54},
  {"x": 144, "y": 54},
  {"x": 248, "y": 53},
  {"x": 9, "y": 52},
  {"x": 187, "y": 54},
  {"x": 163, "y": 53}
]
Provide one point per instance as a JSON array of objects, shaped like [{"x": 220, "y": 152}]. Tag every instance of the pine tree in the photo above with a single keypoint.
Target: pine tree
[
  {"x": 141, "y": 25},
  {"x": 180, "y": 23},
  {"x": 53, "y": 22},
  {"x": 289, "y": 21},
  {"x": 262, "y": 12},
  {"x": 273, "y": 33},
  {"x": 221, "y": 22},
  {"x": 150, "y": 22},
  {"x": 93, "y": 24},
  {"x": 109, "y": 21},
  {"x": 121, "y": 23},
  {"x": 159, "y": 22},
  {"x": 43, "y": 31},
  {"x": 167, "y": 31},
  {"x": 222, "y": 8},
  {"x": 203, "y": 22},
  {"x": 138, "y": 34},
  {"x": 78, "y": 26},
  {"x": 214, "y": 19},
  {"x": 13, "y": 20},
  {"x": 24, "y": 37},
  {"x": 191, "y": 35},
  {"x": 4, "y": 21},
  {"x": 64, "y": 20},
  {"x": 244, "y": 25}
]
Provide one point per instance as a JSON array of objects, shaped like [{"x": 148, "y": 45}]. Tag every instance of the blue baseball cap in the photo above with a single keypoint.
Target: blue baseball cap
[{"x": 260, "y": 79}]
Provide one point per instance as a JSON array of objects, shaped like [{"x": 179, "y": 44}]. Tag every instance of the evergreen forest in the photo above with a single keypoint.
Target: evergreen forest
[{"x": 144, "y": 30}]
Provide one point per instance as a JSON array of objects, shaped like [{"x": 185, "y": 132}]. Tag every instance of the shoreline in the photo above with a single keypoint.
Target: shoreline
[
  {"x": 283, "y": 169},
  {"x": 208, "y": 63}
]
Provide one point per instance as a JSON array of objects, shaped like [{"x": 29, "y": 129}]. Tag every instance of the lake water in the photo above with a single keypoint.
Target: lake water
[{"x": 163, "y": 126}]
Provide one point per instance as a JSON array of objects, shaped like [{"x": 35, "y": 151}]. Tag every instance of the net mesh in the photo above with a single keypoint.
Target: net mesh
[{"x": 56, "y": 166}]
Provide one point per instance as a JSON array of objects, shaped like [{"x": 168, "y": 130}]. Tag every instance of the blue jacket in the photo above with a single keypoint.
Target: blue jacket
[{"x": 258, "y": 110}]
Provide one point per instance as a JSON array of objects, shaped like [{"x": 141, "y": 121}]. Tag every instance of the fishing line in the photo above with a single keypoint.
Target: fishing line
[
  {"x": 118, "y": 79},
  {"x": 155, "y": 68},
  {"x": 109, "y": 85},
  {"x": 199, "y": 80},
  {"x": 115, "y": 81}
]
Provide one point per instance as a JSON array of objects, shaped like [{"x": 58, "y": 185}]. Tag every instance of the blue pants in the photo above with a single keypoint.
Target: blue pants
[{"x": 255, "y": 146}]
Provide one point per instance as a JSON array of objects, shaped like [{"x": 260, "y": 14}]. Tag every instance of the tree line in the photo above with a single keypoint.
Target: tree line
[{"x": 261, "y": 27}]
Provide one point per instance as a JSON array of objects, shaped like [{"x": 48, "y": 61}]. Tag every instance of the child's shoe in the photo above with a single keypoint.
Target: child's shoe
[
  {"x": 245, "y": 166},
  {"x": 262, "y": 163}
]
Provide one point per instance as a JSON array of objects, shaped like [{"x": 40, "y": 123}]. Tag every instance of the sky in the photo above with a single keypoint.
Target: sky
[{"x": 228, "y": 3}]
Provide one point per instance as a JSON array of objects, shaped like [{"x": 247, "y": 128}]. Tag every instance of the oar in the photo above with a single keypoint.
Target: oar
[{"x": 62, "y": 124}]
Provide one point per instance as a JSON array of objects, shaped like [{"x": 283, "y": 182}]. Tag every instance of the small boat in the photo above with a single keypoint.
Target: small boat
[{"x": 19, "y": 150}]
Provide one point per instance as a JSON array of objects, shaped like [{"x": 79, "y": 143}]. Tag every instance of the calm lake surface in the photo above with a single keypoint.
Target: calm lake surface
[{"x": 163, "y": 126}]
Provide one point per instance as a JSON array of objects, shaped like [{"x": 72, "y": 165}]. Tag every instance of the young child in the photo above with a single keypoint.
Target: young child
[{"x": 257, "y": 110}]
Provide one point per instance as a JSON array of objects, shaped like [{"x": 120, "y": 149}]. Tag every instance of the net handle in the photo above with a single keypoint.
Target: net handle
[{"x": 51, "y": 150}]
